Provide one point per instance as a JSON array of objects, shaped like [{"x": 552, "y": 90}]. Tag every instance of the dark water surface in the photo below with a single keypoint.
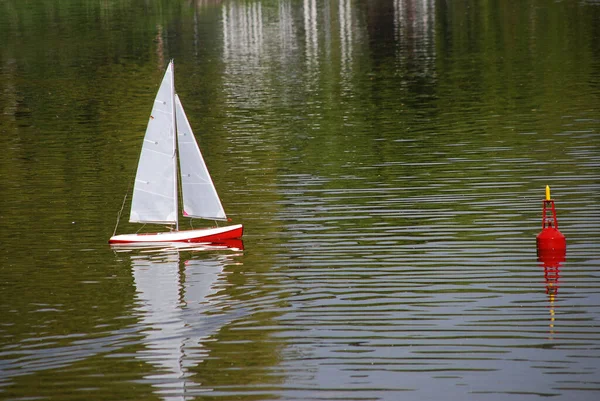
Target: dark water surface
[{"x": 388, "y": 160}]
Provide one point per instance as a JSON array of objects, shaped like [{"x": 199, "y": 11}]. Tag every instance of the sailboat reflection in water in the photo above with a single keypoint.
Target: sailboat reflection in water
[{"x": 179, "y": 309}]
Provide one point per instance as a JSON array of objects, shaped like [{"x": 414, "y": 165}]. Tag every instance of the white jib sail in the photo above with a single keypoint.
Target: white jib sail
[
  {"x": 155, "y": 189},
  {"x": 200, "y": 198}
]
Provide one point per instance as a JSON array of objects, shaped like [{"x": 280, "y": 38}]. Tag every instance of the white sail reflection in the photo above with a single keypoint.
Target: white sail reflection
[
  {"x": 172, "y": 304},
  {"x": 157, "y": 284}
]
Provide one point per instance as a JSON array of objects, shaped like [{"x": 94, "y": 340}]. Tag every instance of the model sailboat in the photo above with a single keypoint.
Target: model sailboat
[{"x": 155, "y": 190}]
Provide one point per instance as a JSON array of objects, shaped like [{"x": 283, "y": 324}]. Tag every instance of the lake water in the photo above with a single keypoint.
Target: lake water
[{"x": 388, "y": 160}]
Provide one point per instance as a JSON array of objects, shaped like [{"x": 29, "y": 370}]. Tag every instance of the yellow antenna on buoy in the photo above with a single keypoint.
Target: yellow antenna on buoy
[{"x": 547, "y": 193}]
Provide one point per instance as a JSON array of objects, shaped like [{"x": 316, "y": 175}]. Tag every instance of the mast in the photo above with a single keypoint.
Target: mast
[{"x": 175, "y": 164}]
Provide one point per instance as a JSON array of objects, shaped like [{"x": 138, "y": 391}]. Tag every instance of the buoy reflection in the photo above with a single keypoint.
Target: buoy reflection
[{"x": 551, "y": 262}]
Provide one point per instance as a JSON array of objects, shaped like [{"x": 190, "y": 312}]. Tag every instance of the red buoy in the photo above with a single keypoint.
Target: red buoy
[{"x": 551, "y": 243}]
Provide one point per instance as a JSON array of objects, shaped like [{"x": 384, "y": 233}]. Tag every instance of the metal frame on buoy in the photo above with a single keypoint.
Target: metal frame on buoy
[{"x": 550, "y": 239}]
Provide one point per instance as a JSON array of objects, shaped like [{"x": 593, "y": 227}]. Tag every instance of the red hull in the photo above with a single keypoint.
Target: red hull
[{"x": 209, "y": 235}]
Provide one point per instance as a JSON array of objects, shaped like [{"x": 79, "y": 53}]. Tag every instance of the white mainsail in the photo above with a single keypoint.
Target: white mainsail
[
  {"x": 155, "y": 189},
  {"x": 200, "y": 198}
]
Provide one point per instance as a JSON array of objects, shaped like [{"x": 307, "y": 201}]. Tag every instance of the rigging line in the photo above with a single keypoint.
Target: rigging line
[
  {"x": 121, "y": 211},
  {"x": 122, "y": 206}
]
